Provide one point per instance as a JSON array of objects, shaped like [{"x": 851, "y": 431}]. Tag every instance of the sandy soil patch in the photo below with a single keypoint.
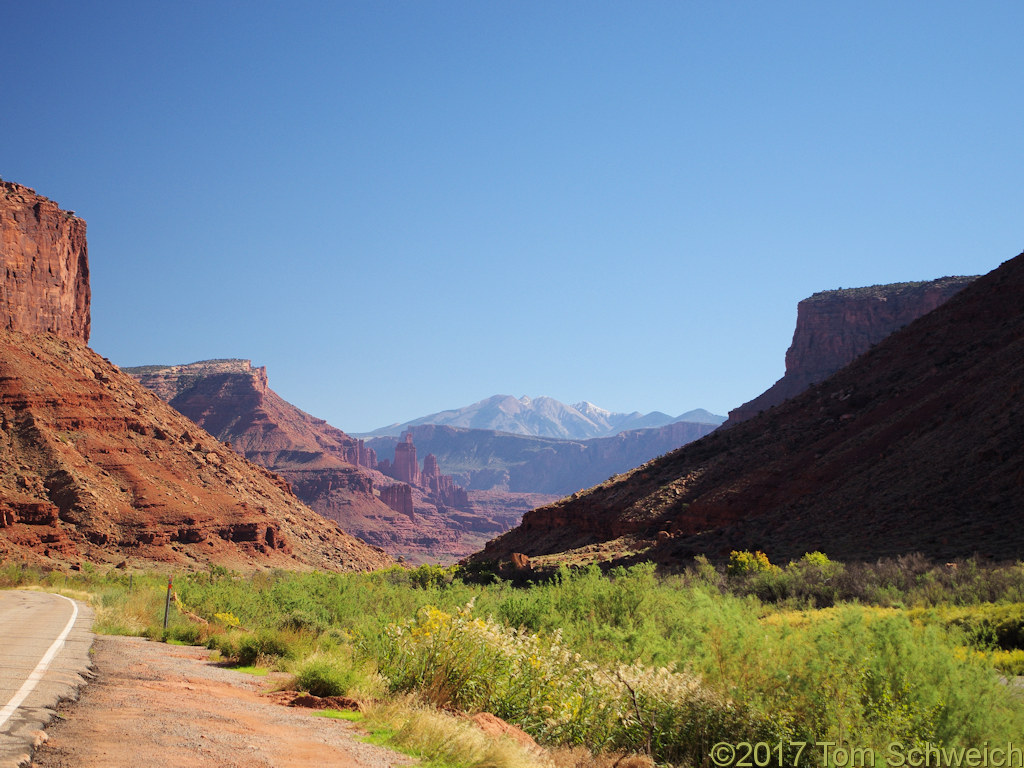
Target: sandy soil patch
[{"x": 154, "y": 704}]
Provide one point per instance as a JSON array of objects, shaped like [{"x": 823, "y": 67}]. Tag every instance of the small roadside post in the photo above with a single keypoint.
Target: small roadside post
[{"x": 167, "y": 604}]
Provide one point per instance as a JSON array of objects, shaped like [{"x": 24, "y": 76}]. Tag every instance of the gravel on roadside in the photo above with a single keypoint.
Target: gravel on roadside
[{"x": 153, "y": 704}]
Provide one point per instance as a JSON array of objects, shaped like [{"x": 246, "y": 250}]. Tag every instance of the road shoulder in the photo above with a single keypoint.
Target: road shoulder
[{"x": 156, "y": 704}]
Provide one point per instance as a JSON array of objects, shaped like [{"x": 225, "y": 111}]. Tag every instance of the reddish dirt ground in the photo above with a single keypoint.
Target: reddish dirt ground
[{"x": 154, "y": 704}]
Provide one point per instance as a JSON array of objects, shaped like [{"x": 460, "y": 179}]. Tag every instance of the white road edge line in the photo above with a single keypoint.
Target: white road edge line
[{"x": 37, "y": 673}]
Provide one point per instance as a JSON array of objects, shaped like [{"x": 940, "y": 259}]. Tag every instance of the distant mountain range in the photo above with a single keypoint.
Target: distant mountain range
[
  {"x": 486, "y": 460},
  {"x": 546, "y": 417}
]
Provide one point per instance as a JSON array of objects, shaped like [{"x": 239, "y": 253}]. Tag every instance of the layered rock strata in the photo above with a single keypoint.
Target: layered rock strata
[
  {"x": 389, "y": 504},
  {"x": 98, "y": 469},
  {"x": 95, "y": 468},
  {"x": 405, "y": 466},
  {"x": 913, "y": 447},
  {"x": 484, "y": 460},
  {"x": 45, "y": 262},
  {"x": 833, "y": 328}
]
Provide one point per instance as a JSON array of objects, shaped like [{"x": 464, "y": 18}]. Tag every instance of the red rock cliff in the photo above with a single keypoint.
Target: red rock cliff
[
  {"x": 331, "y": 471},
  {"x": 833, "y": 328},
  {"x": 46, "y": 265},
  {"x": 406, "y": 467},
  {"x": 912, "y": 447},
  {"x": 96, "y": 468}
]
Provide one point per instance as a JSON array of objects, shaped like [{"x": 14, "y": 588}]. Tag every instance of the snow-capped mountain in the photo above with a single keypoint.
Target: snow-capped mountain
[{"x": 547, "y": 417}]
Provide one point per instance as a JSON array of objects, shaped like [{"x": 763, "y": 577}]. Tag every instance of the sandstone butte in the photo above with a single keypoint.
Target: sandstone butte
[
  {"x": 94, "y": 467},
  {"x": 833, "y": 328},
  {"x": 915, "y": 446},
  {"x": 415, "y": 513}
]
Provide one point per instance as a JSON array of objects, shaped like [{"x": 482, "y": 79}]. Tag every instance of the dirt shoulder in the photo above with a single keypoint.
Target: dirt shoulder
[{"x": 154, "y": 704}]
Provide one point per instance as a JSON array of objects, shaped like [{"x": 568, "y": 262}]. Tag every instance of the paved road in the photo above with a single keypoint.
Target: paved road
[{"x": 44, "y": 653}]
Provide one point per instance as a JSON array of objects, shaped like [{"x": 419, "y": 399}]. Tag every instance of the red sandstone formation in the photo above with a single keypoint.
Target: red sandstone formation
[
  {"x": 94, "y": 467},
  {"x": 442, "y": 487},
  {"x": 232, "y": 400},
  {"x": 430, "y": 466},
  {"x": 405, "y": 467},
  {"x": 419, "y": 519},
  {"x": 46, "y": 265},
  {"x": 835, "y": 327},
  {"x": 399, "y": 498},
  {"x": 484, "y": 460},
  {"x": 441, "y": 490},
  {"x": 913, "y": 447}
]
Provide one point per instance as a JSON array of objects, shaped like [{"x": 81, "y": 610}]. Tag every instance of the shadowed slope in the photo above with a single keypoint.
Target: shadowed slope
[{"x": 915, "y": 446}]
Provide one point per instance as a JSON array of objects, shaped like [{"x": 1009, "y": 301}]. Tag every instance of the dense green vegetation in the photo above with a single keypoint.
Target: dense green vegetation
[{"x": 630, "y": 660}]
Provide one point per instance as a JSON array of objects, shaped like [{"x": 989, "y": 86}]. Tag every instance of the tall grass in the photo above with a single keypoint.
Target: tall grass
[
  {"x": 631, "y": 660},
  {"x": 537, "y": 682}
]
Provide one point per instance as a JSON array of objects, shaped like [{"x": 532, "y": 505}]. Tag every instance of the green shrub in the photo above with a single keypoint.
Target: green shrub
[
  {"x": 325, "y": 676},
  {"x": 705, "y": 573},
  {"x": 428, "y": 576},
  {"x": 261, "y": 645},
  {"x": 739, "y": 658},
  {"x": 990, "y": 626},
  {"x": 1008, "y": 662},
  {"x": 190, "y": 634},
  {"x": 14, "y": 574},
  {"x": 301, "y": 621},
  {"x": 248, "y": 648},
  {"x": 816, "y": 559}
]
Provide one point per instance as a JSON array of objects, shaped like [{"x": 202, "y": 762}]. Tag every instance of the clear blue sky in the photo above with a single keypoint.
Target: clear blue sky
[{"x": 402, "y": 207}]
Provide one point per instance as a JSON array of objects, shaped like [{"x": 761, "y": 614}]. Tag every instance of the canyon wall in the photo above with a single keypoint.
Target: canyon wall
[
  {"x": 93, "y": 467},
  {"x": 416, "y": 515},
  {"x": 912, "y": 447},
  {"x": 96, "y": 468},
  {"x": 45, "y": 262},
  {"x": 835, "y": 327},
  {"x": 232, "y": 400}
]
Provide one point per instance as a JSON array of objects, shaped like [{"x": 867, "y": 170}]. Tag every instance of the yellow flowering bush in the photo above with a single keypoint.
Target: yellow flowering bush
[
  {"x": 227, "y": 619},
  {"x": 741, "y": 562}
]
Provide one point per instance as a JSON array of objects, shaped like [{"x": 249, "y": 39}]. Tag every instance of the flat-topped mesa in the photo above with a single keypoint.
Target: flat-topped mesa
[
  {"x": 169, "y": 381},
  {"x": 95, "y": 467},
  {"x": 912, "y": 447},
  {"x": 45, "y": 259},
  {"x": 833, "y": 328}
]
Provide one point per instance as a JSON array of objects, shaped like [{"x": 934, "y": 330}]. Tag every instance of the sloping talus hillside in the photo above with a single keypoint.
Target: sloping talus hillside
[
  {"x": 97, "y": 468},
  {"x": 915, "y": 446}
]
